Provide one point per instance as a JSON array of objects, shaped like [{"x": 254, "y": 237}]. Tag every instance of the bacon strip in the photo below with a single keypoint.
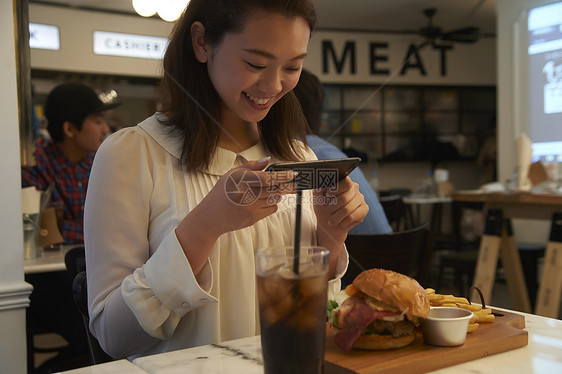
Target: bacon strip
[{"x": 354, "y": 316}]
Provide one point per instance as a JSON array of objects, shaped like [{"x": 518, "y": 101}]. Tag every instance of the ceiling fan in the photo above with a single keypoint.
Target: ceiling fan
[{"x": 432, "y": 33}]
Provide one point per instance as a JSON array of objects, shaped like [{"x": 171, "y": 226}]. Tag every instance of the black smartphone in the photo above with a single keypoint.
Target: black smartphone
[{"x": 318, "y": 173}]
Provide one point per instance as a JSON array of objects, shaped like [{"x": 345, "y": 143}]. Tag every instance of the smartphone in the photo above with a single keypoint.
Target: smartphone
[{"x": 318, "y": 173}]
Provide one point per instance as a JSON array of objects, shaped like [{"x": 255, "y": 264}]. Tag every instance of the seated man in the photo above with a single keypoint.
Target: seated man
[
  {"x": 77, "y": 128},
  {"x": 310, "y": 93}
]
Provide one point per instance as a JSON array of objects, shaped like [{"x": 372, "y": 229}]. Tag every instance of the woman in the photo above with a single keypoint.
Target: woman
[{"x": 177, "y": 205}]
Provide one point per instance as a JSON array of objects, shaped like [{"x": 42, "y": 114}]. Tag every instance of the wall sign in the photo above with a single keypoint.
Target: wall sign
[
  {"x": 344, "y": 57},
  {"x": 44, "y": 36},
  {"x": 129, "y": 45}
]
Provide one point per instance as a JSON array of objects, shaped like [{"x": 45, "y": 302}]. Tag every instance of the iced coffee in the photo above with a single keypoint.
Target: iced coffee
[{"x": 292, "y": 309}]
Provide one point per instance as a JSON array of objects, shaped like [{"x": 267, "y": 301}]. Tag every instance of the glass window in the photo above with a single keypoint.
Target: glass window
[
  {"x": 402, "y": 147},
  {"x": 331, "y": 123},
  {"x": 440, "y": 99},
  {"x": 362, "y": 98},
  {"x": 478, "y": 99},
  {"x": 467, "y": 145},
  {"x": 410, "y": 123},
  {"x": 371, "y": 145},
  {"x": 476, "y": 122},
  {"x": 441, "y": 122},
  {"x": 362, "y": 122},
  {"x": 397, "y": 123},
  {"x": 402, "y": 98},
  {"x": 332, "y": 97}
]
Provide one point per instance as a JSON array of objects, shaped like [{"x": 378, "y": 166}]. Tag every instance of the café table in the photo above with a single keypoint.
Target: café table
[
  {"x": 498, "y": 240},
  {"x": 415, "y": 202},
  {"x": 243, "y": 356}
]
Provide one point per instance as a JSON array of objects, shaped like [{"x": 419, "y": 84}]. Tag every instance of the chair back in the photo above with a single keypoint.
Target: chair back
[
  {"x": 395, "y": 191},
  {"x": 75, "y": 260},
  {"x": 395, "y": 211},
  {"x": 407, "y": 252}
]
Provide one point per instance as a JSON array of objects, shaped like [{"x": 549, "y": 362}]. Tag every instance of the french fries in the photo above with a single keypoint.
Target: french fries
[
  {"x": 480, "y": 315},
  {"x": 472, "y": 327}
]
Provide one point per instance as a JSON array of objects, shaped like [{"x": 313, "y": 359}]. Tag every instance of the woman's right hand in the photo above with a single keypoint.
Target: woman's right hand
[
  {"x": 245, "y": 195},
  {"x": 241, "y": 197}
]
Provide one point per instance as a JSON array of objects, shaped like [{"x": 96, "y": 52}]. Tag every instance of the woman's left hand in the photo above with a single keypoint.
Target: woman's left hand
[{"x": 339, "y": 209}]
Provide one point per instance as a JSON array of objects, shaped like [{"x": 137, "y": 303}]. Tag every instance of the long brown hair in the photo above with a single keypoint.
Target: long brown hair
[{"x": 190, "y": 101}]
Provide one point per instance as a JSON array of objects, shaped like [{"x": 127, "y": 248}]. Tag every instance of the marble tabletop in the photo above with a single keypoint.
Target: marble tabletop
[
  {"x": 238, "y": 356},
  {"x": 543, "y": 354},
  {"x": 114, "y": 367}
]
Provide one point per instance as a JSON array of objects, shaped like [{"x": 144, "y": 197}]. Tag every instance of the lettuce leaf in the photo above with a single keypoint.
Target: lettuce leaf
[{"x": 331, "y": 313}]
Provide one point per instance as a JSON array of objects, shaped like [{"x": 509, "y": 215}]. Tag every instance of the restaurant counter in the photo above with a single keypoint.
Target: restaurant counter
[
  {"x": 51, "y": 260},
  {"x": 541, "y": 355}
]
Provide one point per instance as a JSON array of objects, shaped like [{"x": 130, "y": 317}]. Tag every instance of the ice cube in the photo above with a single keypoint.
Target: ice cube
[
  {"x": 275, "y": 286},
  {"x": 308, "y": 320},
  {"x": 287, "y": 273},
  {"x": 278, "y": 307}
]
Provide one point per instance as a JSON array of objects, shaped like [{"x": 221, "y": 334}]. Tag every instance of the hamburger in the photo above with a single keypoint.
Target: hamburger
[{"x": 378, "y": 311}]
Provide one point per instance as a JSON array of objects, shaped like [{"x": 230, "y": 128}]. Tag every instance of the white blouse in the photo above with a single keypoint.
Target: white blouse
[{"x": 143, "y": 296}]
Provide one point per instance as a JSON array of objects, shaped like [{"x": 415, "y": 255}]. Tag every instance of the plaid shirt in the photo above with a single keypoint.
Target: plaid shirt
[{"x": 70, "y": 184}]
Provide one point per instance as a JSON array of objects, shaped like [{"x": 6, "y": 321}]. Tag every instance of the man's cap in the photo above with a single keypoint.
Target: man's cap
[{"x": 69, "y": 101}]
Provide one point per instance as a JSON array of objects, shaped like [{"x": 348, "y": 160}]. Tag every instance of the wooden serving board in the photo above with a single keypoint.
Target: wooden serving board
[{"x": 504, "y": 334}]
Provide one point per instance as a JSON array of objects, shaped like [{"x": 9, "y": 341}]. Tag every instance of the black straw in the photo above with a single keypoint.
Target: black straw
[{"x": 297, "y": 232}]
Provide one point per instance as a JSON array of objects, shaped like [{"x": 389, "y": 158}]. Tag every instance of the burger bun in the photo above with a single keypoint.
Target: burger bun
[{"x": 394, "y": 289}]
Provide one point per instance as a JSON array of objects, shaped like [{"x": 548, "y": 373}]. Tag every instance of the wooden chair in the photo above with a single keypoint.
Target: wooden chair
[
  {"x": 75, "y": 260},
  {"x": 395, "y": 191},
  {"x": 395, "y": 211},
  {"x": 408, "y": 252},
  {"x": 457, "y": 253}
]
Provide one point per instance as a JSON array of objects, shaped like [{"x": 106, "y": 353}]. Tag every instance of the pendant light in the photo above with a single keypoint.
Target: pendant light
[{"x": 168, "y": 10}]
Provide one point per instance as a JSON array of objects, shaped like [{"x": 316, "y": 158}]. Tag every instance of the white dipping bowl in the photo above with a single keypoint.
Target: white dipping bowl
[{"x": 445, "y": 326}]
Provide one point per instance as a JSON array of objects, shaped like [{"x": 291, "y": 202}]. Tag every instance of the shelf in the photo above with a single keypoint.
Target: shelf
[{"x": 410, "y": 123}]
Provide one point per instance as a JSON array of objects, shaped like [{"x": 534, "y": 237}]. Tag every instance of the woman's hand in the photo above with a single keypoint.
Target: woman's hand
[
  {"x": 241, "y": 197},
  {"x": 337, "y": 211},
  {"x": 245, "y": 195}
]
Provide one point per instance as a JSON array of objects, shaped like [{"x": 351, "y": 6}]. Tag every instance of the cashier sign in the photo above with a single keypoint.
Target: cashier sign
[{"x": 239, "y": 189}]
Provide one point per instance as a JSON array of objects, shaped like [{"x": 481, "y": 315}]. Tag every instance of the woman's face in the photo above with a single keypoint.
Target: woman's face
[{"x": 255, "y": 68}]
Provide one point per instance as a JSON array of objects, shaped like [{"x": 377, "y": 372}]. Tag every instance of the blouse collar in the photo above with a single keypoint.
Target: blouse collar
[{"x": 221, "y": 161}]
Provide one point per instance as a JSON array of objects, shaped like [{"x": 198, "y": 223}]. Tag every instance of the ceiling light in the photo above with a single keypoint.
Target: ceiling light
[
  {"x": 145, "y": 8},
  {"x": 170, "y": 10}
]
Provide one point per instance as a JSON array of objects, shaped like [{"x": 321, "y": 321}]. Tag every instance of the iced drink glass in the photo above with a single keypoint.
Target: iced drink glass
[{"x": 292, "y": 308}]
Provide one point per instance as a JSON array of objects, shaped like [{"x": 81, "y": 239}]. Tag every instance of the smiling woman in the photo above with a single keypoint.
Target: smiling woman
[
  {"x": 170, "y": 252},
  {"x": 284, "y": 48}
]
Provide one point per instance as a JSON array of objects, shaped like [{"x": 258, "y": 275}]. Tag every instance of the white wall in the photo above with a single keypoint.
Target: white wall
[
  {"x": 14, "y": 291},
  {"x": 510, "y": 23}
]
